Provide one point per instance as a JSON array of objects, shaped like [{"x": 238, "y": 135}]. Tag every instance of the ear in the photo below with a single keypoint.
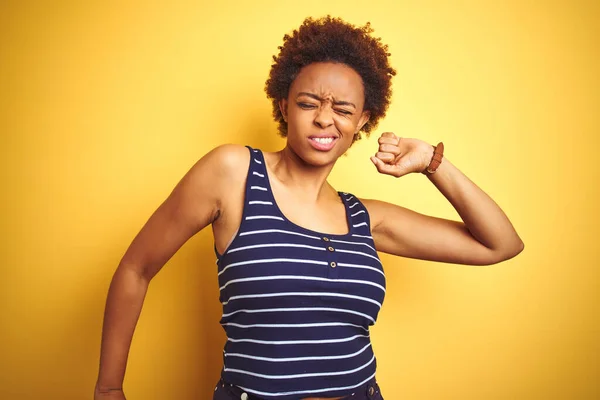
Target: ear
[
  {"x": 364, "y": 118},
  {"x": 283, "y": 108}
]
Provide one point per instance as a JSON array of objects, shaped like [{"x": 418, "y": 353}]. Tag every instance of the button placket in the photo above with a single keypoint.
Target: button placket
[{"x": 331, "y": 258}]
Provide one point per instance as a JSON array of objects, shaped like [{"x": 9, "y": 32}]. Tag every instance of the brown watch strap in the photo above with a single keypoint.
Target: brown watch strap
[{"x": 436, "y": 160}]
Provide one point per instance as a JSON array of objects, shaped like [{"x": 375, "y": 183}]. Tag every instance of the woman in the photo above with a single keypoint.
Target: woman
[{"x": 299, "y": 276}]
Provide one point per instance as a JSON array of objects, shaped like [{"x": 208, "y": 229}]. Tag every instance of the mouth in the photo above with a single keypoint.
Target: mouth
[{"x": 323, "y": 143}]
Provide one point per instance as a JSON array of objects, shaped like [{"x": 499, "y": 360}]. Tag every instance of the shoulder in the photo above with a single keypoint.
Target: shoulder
[
  {"x": 377, "y": 210},
  {"x": 222, "y": 163},
  {"x": 217, "y": 171},
  {"x": 385, "y": 215},
  {"x": 228, "y": 158},
  {"x": 372, "y": 207}
]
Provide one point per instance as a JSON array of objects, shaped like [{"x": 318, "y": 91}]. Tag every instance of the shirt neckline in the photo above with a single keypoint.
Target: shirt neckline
[{"x": 301, "y": 228}]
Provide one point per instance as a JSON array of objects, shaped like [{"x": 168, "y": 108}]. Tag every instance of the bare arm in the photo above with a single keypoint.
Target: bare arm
[
  {"x": 484, "y": 236},
  {"x": 194, "y": 203}
]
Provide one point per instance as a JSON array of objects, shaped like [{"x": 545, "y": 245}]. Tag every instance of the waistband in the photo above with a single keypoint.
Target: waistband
[{"x": 367, "y": 391}]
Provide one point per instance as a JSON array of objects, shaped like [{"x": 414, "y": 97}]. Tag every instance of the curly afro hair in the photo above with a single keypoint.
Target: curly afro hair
[{"x": 332, "y": 40}]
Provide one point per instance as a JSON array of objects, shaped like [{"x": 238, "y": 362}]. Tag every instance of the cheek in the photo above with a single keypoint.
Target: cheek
[
  {"x": 300, "y": 117},
  {"x": 345, "y": 124}
]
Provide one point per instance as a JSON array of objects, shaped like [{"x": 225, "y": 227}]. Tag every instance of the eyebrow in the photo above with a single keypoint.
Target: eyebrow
[{"x": 337, "y": 103}]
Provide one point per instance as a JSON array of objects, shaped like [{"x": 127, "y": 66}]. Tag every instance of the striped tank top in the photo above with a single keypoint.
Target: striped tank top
[{"x": 297, "y": 304}]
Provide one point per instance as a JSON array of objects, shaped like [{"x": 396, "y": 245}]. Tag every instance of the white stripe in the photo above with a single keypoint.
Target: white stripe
[
  {"x": 353, "y": 205},
  {"x": 361, "y": 253},
  {"x": 363, "y": 236},
  {"x": 257, "y": 246},
  {"x": 264, "y": 217},
  {"x": 268, "y": 203},
  {"x": 241, "y": 371},
  {"x": 257, "y": 161},
  {"x": 358, "y": 212},
  {"x": 360, "y": 266},
  {"x": 329, "y": 389},
  {"x": 361, "y": 224},
  {"x": 271, "y": 260},
  {"x": 298, "y": 358},
  {"x": 262, "y": 310},
  {"x": 256, "y": 173},
  {"x": 310, "y": 325},
  {"x": 256, "y": 151},
  {"x": 349, "y": 198},
  {"x": 278, "y": 231},
  {"x": 309, "y": 236},
  {"x": 282, "y": 294},
  {"x": 304, "y": 278},
  {"x": 342, "y": 340},
  {"x": 345, "y": 241},
  {"x": 259, "y": 188}
]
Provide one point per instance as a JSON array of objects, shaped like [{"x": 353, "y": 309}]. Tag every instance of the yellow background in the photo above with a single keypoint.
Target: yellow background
[{"x": 104, "y": 107}]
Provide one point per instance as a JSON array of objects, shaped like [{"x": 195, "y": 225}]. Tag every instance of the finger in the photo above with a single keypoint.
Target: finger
[
  {"x": 389, "y": 135},
  {"x": 386, "y": 157},
  {"x": 389, "y": 169},
  {"x": 381, "y": 166},
  {"x": 387, "y": 140},
  {"x": 390, "y": 148}
]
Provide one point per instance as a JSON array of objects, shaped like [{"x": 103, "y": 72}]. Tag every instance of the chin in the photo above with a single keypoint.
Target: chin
[{"x": 319, "y": 158}]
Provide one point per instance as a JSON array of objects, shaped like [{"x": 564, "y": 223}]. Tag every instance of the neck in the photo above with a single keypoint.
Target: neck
[{"x": 308, "y": 181}]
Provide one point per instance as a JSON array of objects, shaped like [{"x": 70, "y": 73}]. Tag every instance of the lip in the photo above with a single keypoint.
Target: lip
[{"x": 321, "y": 146}]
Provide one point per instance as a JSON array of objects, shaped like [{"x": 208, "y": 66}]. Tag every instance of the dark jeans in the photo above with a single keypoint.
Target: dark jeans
[{"x": 227, "y": 391}]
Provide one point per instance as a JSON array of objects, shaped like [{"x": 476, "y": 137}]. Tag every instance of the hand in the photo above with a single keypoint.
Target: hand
[
  {"x": 113, "y": 394},
  {"x": 400, "y": 156}
]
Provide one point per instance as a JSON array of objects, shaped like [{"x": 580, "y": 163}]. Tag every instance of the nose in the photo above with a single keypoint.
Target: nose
[{"x": 324, "y": 117}]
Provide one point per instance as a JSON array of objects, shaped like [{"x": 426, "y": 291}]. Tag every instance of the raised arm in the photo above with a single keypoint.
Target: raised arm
[
  {"x": 484, "y": 236},
  {"x": 193, "y": 204}
]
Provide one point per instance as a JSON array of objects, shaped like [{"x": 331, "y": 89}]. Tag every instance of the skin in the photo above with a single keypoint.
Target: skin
[{"x": 212, "y": 192}]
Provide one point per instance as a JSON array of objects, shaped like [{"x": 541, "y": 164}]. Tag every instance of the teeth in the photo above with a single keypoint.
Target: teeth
[{"x": 323, "y": 140}]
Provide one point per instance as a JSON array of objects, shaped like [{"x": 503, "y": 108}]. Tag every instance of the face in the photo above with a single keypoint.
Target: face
[{"x": 324, "y": 110}]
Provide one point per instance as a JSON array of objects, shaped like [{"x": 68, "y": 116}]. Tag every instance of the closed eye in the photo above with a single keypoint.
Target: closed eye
[{"x": 307, "y": 106}]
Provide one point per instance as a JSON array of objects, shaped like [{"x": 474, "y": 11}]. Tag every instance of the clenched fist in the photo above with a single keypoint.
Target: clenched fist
[{"x": 400, "y": 156}]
